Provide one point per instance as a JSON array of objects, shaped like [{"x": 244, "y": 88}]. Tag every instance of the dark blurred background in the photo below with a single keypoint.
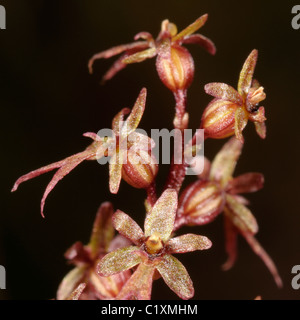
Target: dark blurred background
[{"x": 48, "y": 99}]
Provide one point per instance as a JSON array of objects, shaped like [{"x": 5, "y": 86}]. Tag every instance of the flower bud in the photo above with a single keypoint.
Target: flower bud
[
  {"x": 140, "y": 168},
  {"x": 200, "y": 203},
  {"x": 176, "y": 70},
  {"x": 218, "y": 119}
]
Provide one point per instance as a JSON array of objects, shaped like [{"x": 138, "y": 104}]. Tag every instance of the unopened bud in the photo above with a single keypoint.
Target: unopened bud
[
  {"x": 218, "y": 119},
  {"x": 176, "y": 71},
  {"x": 200, "y": 203},
  {"x": 140, "y": 169}
]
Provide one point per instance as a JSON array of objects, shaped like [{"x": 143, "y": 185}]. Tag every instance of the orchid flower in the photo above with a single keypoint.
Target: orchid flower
[{"x": 152, "y": 250}]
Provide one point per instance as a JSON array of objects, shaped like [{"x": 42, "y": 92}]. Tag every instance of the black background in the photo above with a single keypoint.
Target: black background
[{"x": 48, "y": 99}]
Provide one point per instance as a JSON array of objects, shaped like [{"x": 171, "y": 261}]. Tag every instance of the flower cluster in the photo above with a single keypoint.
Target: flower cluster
[{"x": 125, "y": 266}]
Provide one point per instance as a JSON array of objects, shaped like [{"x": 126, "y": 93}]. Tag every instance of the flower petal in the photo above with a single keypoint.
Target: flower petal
[
  {"x": 199, "y": 39},
  {"x": 193, "y": 27},
  {"x": 75, "y": 295},
  {"x": 118, "y": 261},
  {"x": 259, "y": 250},
  {"x": 224, "y": 163},
  {"x": 248, "y": 182},
  {"x": 240, "y": 123},
  {"x": 246, "y": 74},
  {"x": 103, "y": 231},
  {"x": 240, "y": 215},
  {"x": 231, "y": 234},
  {"x": 118, "y": 121},
  {"x": 188, "y": 243},
  {"x": 161, "y": 218},
  {"x": 176, "y": 276},
  {"x": 115, "y": 172},
  {"x": 223, "y": 91},
  {"x": 70, "y": 282},
  {"x": 261, "y": 129},
  {"x": 139, "y": 286},
  {"x": 135, "y": 115},
  {"x": 65, "y": 166},
  {"x": 128, "y": 227},
  {"x": 114, "y": 51},
  {"x": 140, "y": 56}
]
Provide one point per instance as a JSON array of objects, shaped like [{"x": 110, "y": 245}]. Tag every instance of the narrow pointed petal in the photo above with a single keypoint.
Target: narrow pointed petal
[
  {"x": 204, "y": 42},
  {"x": 118, "y": 261},
  {"x": 259, "y": 250},
  {"x": 115, "y": 172},
  {"x": 145, "y": 36},
  {"x": 103, "y": 231},
  {"x": 136, "y": 114},
  {"x": 69, "y": 165},
  {"x": 162, "y": 216},
  {"x": 128, "y": 227},
  {"x": 139, "y": 286},
  {"x": 116, "y": 67},
  {"x": 77, "y": 292},
  {"x": 70, "y": 283},
  {"x": 246, "y": 74},
  {"x": 231, "y": 234},
  {"x": 118, "y": 242},
  {"x": 113, "y": 51},
  {"x": 193, "y": 27},
  {"x": 140, "y": 56},
  {"x": 223, "y": 91},
  {"x": 240, "y": 123},
  {"x": 176, "y": 277},
  {"x": 118, "y": 121},
  {"x": 188, "y": 243},
  {"x": 261, "y": 129},
  {"x": 245, "y": 183},
  {"x": 240, "y": 215},
  {"x": 225, "y": 161}
]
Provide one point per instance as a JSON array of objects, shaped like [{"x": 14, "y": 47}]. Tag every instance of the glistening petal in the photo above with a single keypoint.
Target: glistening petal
[
  {"x": 241, "y": 119},
  {"x": 246, "y": 74},
  {"x": 224, "y": 163},
  {"x": 139, "y": 286},
  {"x": 114, "y": 51},
  {"x": 188, "y": 242},
  {"x": 103, "y": 231},
  {"x": 223, "y": 91},
  {"x": 199, "y": 39},
  {"x": 248, "y": 182},
  {"x": 161, "y": 218},
  {"x": 70, "y": 283},
  {"x": 176, "y": 276},
  {"x": 261, "y": 129},
  {"x": 193, "y": 27},
  {"x": 128, "y": 227},
  {"x": 115, "y": 172},
  {"x": 135, "y": 115},
  {"x": 118, "y": 261},
  {"x": 240, "y": 215},
  {"x": 140, "y": 56}
]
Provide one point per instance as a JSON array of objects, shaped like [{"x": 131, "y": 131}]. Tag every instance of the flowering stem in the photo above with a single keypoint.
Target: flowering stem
[{"x": 177, "y": 171}]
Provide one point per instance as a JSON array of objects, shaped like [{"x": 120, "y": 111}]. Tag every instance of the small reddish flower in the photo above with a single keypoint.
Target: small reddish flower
[
  {"x": 174, "y": 63},
  {"x": 86, "y": 258},
  {"x": 131, "y": 157},
  {"x": 230, "y": 111},
  {"x": 152, "y": 251},
  {"x": 218, "y": 191},
  {"x": 130, "y": 154}
]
